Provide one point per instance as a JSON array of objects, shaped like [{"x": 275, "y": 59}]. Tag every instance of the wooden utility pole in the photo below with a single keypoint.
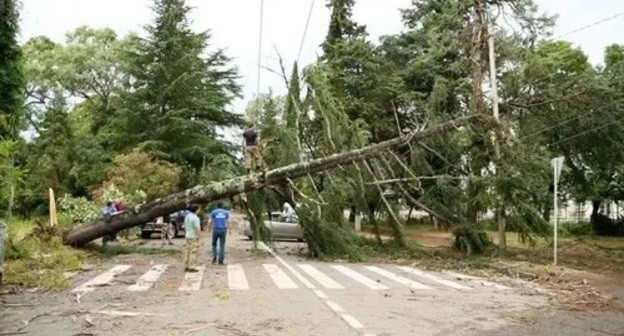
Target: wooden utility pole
[{"x": 500, "y": 204}]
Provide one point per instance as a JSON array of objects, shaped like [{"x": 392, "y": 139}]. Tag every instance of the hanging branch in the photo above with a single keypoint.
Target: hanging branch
[
  {"x": 409, "y": 197},
  {"x": 365, "y": 199},
  {"x": 294, "y": 187},
  {"x": 399, "y": 237}
]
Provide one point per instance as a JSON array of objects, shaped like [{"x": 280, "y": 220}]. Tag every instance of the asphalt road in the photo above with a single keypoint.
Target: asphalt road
[{"x": 275, "y": 292}]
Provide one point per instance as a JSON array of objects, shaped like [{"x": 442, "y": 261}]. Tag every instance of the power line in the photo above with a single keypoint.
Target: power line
[
  {"x": 260, "y": 46},
  {"x": 590, "y": 25},
  {"x": 542, "y": 130},
  {"x": 305, "y": 30}
]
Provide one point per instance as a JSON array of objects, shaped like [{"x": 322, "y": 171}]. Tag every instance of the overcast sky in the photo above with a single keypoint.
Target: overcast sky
[{"x": 234, "y": 25}]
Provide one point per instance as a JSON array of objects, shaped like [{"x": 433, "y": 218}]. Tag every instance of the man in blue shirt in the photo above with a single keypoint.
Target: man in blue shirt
[{"x": 219, "y": 224}]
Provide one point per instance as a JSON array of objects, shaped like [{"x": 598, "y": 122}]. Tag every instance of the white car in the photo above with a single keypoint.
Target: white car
[{"x": 279, "y": 226}]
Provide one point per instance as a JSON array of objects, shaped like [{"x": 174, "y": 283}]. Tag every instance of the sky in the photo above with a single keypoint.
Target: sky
[{"x": 234, "y": 25}]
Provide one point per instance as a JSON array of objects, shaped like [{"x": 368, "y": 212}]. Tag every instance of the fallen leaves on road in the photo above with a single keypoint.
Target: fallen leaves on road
[{"x": 570, "y": 288}]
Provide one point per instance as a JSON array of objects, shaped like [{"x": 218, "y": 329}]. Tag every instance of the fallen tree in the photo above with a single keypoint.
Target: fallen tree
[{"x": 145, "y": 212}]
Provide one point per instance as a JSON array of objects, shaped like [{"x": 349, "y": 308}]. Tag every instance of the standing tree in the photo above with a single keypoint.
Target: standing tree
[
  {"x": 11, "y": 89},
  {"x": 180, "y": 92},
  {"x": 11, "y": 76}
]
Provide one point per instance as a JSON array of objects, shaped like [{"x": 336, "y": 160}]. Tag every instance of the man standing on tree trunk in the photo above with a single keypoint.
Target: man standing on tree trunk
[
  {"x": 191, "y": 229},
  {"x": 252, "y": 153},
  {"x": 219, "y": 224}
]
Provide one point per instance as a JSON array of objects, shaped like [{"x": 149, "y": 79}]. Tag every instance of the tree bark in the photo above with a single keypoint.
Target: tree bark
[{"x": 143, "y": 213}]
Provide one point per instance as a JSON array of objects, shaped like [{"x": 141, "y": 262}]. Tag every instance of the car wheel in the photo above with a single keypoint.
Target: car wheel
[{"x": 146, "y": 234}]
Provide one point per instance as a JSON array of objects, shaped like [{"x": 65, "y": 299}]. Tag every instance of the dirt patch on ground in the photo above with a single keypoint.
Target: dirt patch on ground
[{"x": 589, "y": 275}]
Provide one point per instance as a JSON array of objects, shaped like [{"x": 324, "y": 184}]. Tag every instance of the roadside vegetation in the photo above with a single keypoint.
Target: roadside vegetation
[{"x": 85, "y": 102}]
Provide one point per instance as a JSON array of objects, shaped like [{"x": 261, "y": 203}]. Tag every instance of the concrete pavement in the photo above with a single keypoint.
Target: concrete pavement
[{"x": 272, "y": 293}]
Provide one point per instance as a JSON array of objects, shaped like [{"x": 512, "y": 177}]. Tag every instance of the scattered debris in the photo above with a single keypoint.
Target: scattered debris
[
  {"x": 608, "y": 332},
  {"x": 89, "y": 320},
  {"x": 196, "y": 329},
  {"x": 120, "y": 313}
]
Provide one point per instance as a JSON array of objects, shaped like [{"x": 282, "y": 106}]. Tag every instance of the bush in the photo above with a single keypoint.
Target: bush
[
  {"x": 605, "y": 226},
  {"x": 577, "y": 229},
  {"x": 471, "y": 240},
  {"x": 77, "y": 210}
]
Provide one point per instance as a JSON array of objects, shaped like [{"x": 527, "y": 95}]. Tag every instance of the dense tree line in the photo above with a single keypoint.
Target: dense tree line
[{"x": 86, "y": 114}]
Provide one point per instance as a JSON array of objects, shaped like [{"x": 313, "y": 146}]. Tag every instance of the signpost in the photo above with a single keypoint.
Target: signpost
[{"x": 557, "y": 164}]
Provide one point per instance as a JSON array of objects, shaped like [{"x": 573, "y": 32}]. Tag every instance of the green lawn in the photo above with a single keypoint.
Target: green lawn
[{"x": 17, "y": 228}]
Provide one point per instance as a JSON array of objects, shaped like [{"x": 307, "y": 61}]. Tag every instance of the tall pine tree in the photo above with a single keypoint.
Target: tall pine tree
[
  {"x": 181, "y": 91},
  {"x": 11, "y": 76}
]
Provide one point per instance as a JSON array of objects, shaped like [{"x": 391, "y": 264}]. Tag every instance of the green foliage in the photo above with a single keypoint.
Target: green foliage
[
  {"x": 575, "y": 229},
  {"x": 470, "y": 239},
  {"x": 604, "y": 226},
  {"x": 11, "y": 72},
  {"x": 11, "y": 176},
  {"x": 33, "y": 262},
  {"x": 136, "y": 174},
  {"x": 78, "y": 209}
]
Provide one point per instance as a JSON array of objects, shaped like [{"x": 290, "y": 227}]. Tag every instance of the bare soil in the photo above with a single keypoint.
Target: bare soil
[{"x": 589, "y": 276}]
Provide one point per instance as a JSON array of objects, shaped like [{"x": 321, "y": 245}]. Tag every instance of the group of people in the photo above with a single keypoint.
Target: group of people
[
  {"x": 218, "y": 224},
  {"x": 111, "y": 209}
]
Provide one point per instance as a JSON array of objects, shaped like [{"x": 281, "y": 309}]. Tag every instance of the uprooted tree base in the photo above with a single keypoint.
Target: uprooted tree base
[{"x": 140, "y": 214}]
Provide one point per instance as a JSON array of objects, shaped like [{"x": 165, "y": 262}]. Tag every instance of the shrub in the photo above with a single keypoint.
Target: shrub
[
  {"x": 77, "y": 210},
  {"x": 577, "y": 229},
  {"x": 471, "y": 240},
  {"x": 605, "y": 226}
]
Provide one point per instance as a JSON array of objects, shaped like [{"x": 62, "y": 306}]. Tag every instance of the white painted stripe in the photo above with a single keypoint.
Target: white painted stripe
[
  {"x": 320, "y": 294},
  {"x": 402, "y": 280},
  {"x": 290, "y": 268},
  {"x": 147, "y": 280},
  {"x": 483, "y": 282},
  {"x": 281, "y": 279},
  {"x": 236, "y": 277},
  {"x": 192, "y": 280},
  {"x": 102, "y": 279},
  {"x": 352, "y": 321},
  {"x": 334, "y": 306},
  {"x": 320, "y": 277},
  {"x": 434, "y": 278},
  {"x": 370, "y": 283}
]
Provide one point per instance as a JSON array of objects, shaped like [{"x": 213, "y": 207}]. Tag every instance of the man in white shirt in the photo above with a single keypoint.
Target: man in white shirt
[{"x": 288, "y": 212}]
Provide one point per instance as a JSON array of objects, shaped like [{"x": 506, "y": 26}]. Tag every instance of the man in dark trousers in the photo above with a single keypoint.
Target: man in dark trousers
[
  {"x": 219, "y": 224},
  {"x": 252, "y": 153}
]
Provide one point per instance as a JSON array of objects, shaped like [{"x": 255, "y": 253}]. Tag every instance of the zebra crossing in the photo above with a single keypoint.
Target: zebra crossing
[{"x": 287, "y": 277}]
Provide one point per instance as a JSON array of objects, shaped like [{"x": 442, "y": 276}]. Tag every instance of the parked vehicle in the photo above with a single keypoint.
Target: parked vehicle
[
  {"x": 279, "y": 226},
  {"x": 175, "y": 219}
]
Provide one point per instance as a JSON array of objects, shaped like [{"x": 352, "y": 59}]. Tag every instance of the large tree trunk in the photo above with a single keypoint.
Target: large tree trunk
[{"x": 140, "y": 214}]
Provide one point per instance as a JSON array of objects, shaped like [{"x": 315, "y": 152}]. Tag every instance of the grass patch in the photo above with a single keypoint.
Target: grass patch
[
  {"x": 222, "y": 296},
  {"x": 18, "y": 228},
  {"x": 113, "y": 250},
  {"x": 40, "y": 263}
]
